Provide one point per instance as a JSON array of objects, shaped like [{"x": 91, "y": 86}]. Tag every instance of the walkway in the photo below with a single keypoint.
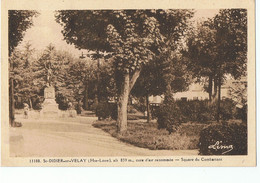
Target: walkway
[{"x": 73, "y": 137}]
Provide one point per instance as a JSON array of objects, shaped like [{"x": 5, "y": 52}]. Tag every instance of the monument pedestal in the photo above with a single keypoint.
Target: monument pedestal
[{"x": 50, "y": 107}]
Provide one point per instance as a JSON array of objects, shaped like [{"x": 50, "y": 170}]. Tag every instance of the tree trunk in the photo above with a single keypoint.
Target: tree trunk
[
  {"x": 96, "y": 96},
  {"x": 210, "y": 88},
  {"x": 148, "y": 108},
  {"x": 85, "y": 101},
  {"x": 219, "y": 97},
  {"x": 30, "y": 102},
  {"x": 98, "y": 77},
  {"x": 215, "y": 89},
  {"x": 122, "y": 105},
  {"x": 125, "y": 89},
  {"x": 11, "y": 103}
]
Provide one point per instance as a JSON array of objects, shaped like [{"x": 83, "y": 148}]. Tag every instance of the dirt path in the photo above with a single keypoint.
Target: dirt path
[{"x": 73, "y": 137}]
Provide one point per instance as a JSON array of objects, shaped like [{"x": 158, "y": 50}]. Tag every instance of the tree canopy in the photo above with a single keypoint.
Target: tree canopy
[
  {"x": 133, "y": 37},
  {"x": 18, "y": 22},
  {"x": 218, "y": 46}
]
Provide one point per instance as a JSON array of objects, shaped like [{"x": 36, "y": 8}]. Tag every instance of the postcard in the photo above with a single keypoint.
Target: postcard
[{"x": 127, "y": 83}]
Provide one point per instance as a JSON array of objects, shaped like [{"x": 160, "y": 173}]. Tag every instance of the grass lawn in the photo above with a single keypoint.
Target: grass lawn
[{"x": 147, "y": 135}]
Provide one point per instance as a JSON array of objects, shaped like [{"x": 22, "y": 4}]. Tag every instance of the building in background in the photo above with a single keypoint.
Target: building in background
[{"x": 196, "y": 91}]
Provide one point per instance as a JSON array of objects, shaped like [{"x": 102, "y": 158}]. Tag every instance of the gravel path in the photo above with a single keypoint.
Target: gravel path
[{"x": 73, "y": 137}]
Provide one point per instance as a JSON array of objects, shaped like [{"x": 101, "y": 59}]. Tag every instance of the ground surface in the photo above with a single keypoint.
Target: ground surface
[{"x": 73, "y": 137}]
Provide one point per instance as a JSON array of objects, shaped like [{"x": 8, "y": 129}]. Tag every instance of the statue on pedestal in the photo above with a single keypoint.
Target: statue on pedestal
[
  {"x": 50, "y": 107},
  {"x": 49, "y": 73}
]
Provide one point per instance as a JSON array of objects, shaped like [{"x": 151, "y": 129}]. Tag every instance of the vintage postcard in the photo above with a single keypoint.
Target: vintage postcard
[{"x": 128, "y": 83}]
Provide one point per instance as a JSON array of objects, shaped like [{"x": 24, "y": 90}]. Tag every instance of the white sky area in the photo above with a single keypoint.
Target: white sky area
[{"x": 46, "y": 30}]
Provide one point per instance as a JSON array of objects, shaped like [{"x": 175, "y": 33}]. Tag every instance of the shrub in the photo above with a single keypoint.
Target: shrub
[
  {"x": 113, "y": 112},
  {"x": 102, "y": 110},
  {"x": 105, "y": 110},
  {"x": 196, "y": 110},
  {"x": 227, "y": 109},
  {"x": 169, "y": 117},
  {"x": 203, "y": 111},
  {"x": 241, "y": 113},
  {"x": 224, "y": 139}
]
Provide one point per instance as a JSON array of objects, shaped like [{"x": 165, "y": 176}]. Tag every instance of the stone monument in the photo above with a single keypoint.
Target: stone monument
[{"x": 49, "y": 107}]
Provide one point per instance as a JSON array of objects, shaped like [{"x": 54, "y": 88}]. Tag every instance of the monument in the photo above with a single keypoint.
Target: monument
[{"x": 49, "y": 107}]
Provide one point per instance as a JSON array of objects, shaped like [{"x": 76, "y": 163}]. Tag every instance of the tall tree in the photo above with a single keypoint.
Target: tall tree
[
  {"x": 220, "y": 48},
  {"x": 231, "y": 36},
  {"x": 24, "y": 87},
  {"x": 129, "y": 35},
  {"x": 202, "y": 55},
  {"x": 18, "y": 22}
]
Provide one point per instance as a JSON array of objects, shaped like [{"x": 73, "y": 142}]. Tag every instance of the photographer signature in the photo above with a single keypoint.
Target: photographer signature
[{"x": 218, "y": 145}]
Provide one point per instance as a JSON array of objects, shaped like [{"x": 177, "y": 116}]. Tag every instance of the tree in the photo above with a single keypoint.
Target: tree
[
  {"x": 56, "y": 64},
  {"x": 18, "y": 22},
  {"x": 231, "y": 36},
  {"x": 158, "y": 75},
  {"x": 22, "y": 74},
  {"x": 129, "y": 35},
  {"x": 201, "y": 54},
  {"x": 220, "y": 48}
]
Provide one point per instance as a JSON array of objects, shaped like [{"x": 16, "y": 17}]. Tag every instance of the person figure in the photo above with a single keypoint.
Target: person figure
[
  {"x": 26, "y": 110},
  {"x": 70, "y": 106}
]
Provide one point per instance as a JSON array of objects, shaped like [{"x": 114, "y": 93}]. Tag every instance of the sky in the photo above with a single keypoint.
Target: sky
[{"x": 46, "y": 30}]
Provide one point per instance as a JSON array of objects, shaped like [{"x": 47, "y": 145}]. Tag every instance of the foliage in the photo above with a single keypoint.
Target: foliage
[
  {"x": 169, "y": 116},
  {"x": 105, "y": 110},
  {"x": 218, "y": 47},
  {"x": 53, "y": 61},
  {"x": 88, "y": 29},
  {"x": 172, "y": 113},
  {"x": 239, "y": 95},
  {"x": 65, "y": 76},
  {"x": 231, "y": 36},
  {"x": 25, "y": 91},
  {"x": 197, "y": 111},
  {"x": 18, "y": 22},
  {"x": 227, "y": 109},
  {"x": 139, "y": 105},
  {"x": 131, "y": 36},
  {"x": 147, "y": 135},
  {"x": 224, "y": 139}
]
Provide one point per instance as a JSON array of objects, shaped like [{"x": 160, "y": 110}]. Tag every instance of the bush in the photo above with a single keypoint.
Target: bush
[
  {"x": 227, "y": 109},
  {"x": 169, "y": 116},
  {"x": 223, "y": 139},
  {"x": 113, "y": 113},
  {"x": 204, "y": 111},
  {"x": 199, "y": 111},
  {"x": 105, "y": 110},
  {"x": 241, "y": 113}
]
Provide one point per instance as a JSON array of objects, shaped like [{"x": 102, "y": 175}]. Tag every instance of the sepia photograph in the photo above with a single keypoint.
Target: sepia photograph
[{"x": 122, "y": 87}]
